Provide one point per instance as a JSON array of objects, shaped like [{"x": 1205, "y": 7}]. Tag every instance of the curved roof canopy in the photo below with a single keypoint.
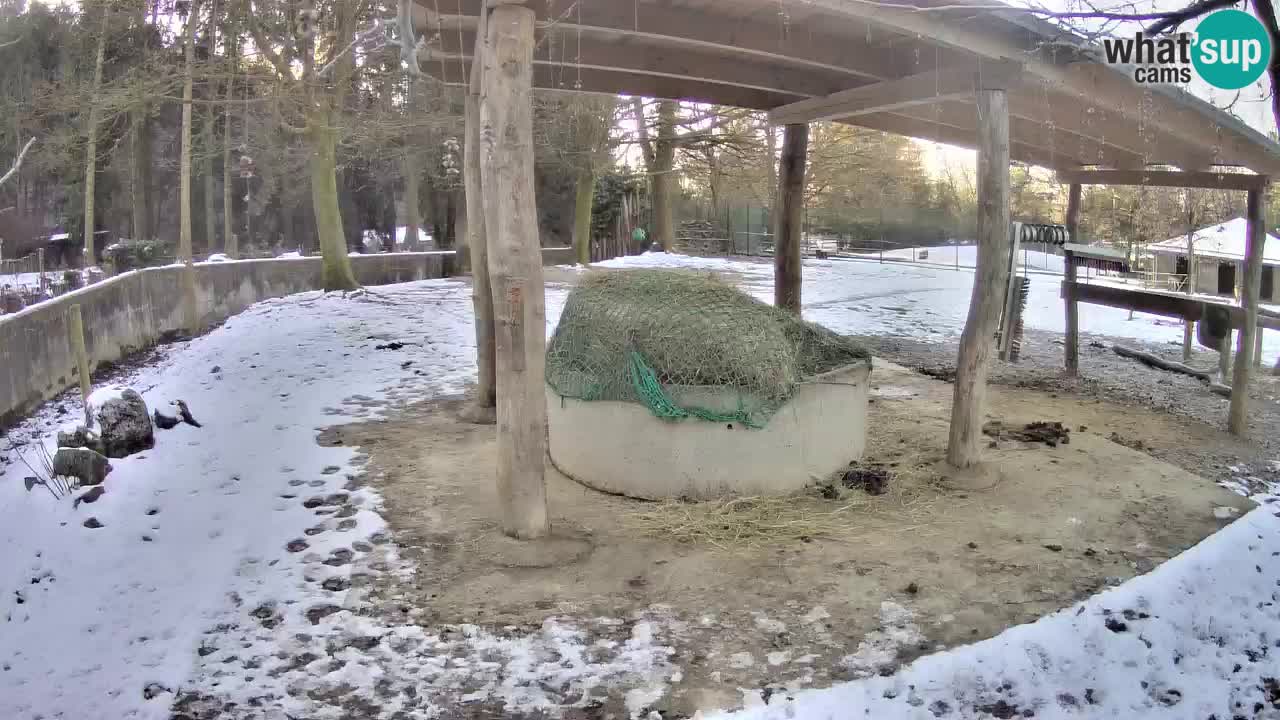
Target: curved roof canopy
[{"x": 909, "y": 69}]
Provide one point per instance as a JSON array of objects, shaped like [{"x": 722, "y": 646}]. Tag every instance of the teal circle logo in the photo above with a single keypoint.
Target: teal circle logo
[{"x": 1231, "y": 50}]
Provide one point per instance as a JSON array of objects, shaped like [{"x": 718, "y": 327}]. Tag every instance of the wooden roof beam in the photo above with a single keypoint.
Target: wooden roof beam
[
  {"x": 924, "y": 88},
  {"x": 1099, "y": 85},
  {"x": 454, "y": 71},
  {"x": 960, "y": 137},
  {"x": 685, "y": 27},
  {"x": 1055, "y": 145},
  {"x": 693, "y": 64},
  {"x": 1166, "y": 178}
]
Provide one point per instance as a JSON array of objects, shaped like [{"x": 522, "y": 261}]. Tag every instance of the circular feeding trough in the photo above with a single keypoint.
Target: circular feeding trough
[{"x": 668, "y": 384}]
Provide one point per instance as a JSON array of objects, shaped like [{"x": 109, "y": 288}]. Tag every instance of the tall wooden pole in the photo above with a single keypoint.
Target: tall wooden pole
[
  {"x": 1190, "y": 282},
  {"x": 989, "y": 278},
  {"x": 1071, "y": 349},
  {"x": 789, "y": 218},
  {"x": 477, "y": 245},
  {"x": 1237, "y": 420},
  {"x": 515, "y": 269}
]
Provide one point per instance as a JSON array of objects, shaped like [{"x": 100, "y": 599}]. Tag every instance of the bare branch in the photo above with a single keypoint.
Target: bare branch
[
  {"x": 1173, "y": 20},
  {"x": 260, "y": 41},
  {"x": 17, "y": 164}
]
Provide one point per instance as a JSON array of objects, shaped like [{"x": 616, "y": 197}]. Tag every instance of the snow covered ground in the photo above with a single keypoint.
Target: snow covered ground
[
  {"x": 1033, "y": 257},
  {"x": 224, "y": 561},
  {"x": 1195, "y": 638},
  {"x": 869, "y": 297}
]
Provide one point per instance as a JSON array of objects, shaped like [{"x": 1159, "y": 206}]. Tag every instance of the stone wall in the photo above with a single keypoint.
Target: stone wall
[{"x": 136, "y": 309}]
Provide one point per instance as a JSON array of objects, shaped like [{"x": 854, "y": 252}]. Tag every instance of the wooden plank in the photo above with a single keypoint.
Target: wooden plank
[
  {"x": 990, "y": 276},
  {"x": 1238, "y": 416},
  {"x": 1071, "y": 352},
  {"x": 924, "y": 88},
  {"x": 1163, "y": 304},
  {"x": 515, "y": 267},
  {"x": 1166, "y": 305},
  {"x": 789, "y": 217},
  {"x": 1165, "y": 178}
]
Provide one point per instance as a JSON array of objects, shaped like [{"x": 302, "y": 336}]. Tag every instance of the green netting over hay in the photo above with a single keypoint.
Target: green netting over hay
[{"x": 655, "y": 336}]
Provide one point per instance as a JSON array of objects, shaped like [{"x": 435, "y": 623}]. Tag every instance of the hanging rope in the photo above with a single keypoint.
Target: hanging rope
[{"x": 645, "y": 383}]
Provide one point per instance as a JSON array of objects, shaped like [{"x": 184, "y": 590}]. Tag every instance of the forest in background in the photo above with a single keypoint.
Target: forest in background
[{"x": 273, "y": 83}]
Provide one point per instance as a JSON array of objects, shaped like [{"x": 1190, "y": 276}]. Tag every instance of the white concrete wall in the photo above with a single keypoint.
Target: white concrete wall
[{"x": 620, "y": 447}]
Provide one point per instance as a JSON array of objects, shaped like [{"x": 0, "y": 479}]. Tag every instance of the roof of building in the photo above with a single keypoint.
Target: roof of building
[
  {"x": 907, "y": 67},
  {"x": 1225, "y": 241}
]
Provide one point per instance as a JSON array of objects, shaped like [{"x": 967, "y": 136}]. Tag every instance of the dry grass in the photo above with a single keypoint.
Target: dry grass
[{"x": 911, "y": 500}]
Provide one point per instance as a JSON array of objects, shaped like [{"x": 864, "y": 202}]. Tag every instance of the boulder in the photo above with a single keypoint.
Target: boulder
[
  {"x": 80, "y": 436},
  {"x": 124, "y": 424},
  {"x": 88, "y": 466}
]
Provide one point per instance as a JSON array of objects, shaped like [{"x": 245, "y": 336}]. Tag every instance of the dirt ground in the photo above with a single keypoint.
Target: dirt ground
[{"x": 934, "y": 562}]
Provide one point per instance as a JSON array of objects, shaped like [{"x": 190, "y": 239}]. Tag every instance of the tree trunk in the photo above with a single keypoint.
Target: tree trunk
[
  {"x": 336, "y": 265},
  {"x": 140, "y": 171},
  {"x": 788, "y": 272},
  {"x": 582, "y": 201},
  {"x": 184, "y": 181},
  {"x": 1238, "y": 419},
  {"x": 662, "y": 173},
  {"x": 515, "y": 265},
  {"x": 412, "y": 213},
  {"x": 230, "y": 241},
  {"x": 91, "y": 145},
  {"x": 989, "y": 279},
  {"x": 1071, "y": 348},
  {"x": 210, "y": 191},
  {"x": 477, "y": 243}
]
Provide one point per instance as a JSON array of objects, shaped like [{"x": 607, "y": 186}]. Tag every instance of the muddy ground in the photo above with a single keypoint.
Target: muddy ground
[
  {"x": 1105, "y": 375},
  {"x": 934, "y": 562}
]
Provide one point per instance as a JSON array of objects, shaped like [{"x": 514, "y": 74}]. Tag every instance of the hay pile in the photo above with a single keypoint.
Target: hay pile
[{"x": 644, "y": 335}]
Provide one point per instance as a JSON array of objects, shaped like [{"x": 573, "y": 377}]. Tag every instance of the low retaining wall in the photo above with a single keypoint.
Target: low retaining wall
[
  {"x": 816, "y": 433},
  {"x": 136, "y": 309}
]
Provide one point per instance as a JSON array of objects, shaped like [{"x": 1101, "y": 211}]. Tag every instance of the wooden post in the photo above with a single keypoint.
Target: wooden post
[
  {"x": 1257, "y": 349},
  {"x": 989, "y": 277},
  {"x": 1071, "y": 348},
  {"x": 477, "y": 245},
  {"x": 789, "y": 219},
  {"x": 1238, "y": 420},
  {"x": 44, "y": 282},
  {"x": 1190, "y": 283},
  {"x": 1224, "y": 359},
  {"x": 515, "y": 269},
  {"x": 75, "y": 330}
]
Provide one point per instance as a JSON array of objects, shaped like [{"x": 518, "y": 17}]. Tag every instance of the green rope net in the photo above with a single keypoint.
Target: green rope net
[{"x": 685, "y": 344}]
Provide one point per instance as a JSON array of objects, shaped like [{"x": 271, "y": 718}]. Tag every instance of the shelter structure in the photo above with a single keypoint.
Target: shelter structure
[
  {"x": 964, "y": 72},
  {"x": 1216, "y": 255}
]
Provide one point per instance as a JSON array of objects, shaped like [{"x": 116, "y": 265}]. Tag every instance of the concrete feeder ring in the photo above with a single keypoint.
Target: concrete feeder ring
[{"x": 622, "y": 448}]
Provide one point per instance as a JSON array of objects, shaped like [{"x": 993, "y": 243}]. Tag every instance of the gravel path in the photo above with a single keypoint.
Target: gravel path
[{"x": 1107, "y": 376}]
